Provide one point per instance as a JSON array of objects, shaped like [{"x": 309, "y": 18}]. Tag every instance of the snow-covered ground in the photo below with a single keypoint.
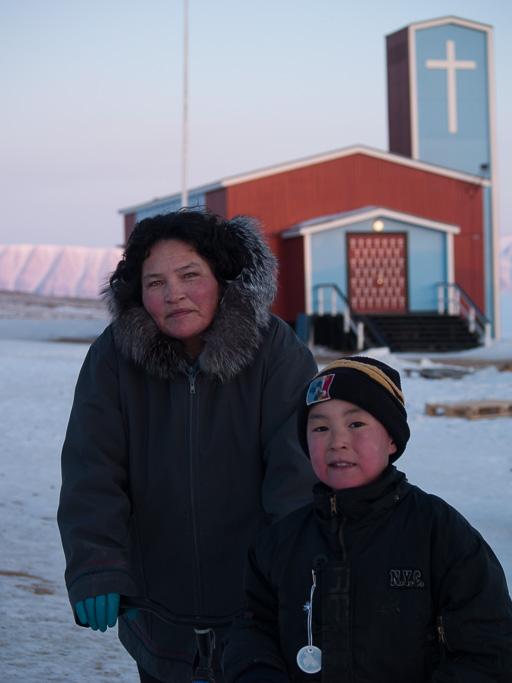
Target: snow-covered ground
[
  {"x": 469, "y": 463},
  {"x": 38, "y": 639}
]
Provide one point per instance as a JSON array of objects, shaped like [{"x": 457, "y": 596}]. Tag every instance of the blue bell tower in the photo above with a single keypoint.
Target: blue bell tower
[{"x": 441, "y": 110}]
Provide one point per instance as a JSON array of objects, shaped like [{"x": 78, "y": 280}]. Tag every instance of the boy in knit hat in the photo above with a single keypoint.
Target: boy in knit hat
[{"x": 376, "y": 581}]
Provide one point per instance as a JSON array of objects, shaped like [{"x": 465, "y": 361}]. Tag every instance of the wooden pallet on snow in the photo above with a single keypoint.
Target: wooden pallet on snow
[
  {"x": 471, "y": 410},
  {"x": 438, "y": 372}
]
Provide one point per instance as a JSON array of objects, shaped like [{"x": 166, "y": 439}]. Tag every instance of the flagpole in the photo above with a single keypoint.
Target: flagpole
[{"x": 184, "y": 137}]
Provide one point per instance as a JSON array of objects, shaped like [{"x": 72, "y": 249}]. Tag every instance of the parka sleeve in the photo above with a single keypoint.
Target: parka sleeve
[
  {"x": 94, "y": 508},
  {"x": 253, "y": 652},
  {"x": 288, "y": 477},
  {"x": 474, "y": 608}
]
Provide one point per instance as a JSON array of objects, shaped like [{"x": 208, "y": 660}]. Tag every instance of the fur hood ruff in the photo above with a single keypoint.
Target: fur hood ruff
[{"x": 232, "y": 340}]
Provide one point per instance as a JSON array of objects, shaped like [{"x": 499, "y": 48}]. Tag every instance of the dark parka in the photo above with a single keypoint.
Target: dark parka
[
  {"x": 169, "y": 470},
  {"x": 407, "y": 592}
]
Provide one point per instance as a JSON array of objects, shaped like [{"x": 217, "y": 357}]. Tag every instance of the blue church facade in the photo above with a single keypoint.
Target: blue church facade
[
  {"x": 447, "y": 111},
  {"x": 429, "y": 248}
]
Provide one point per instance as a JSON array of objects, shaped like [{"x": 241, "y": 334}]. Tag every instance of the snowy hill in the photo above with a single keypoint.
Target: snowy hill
[{"x": 48, "y": 270}]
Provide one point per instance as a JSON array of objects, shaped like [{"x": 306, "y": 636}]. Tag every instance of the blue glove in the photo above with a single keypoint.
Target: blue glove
[{"x": 101, "y": 611}]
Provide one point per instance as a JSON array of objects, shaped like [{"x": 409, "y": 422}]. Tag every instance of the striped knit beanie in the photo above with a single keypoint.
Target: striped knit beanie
[{"x": 367, "y": 383}]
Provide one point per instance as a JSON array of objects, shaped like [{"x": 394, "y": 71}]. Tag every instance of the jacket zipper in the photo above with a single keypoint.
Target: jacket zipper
[
  {"x": 192, "y": 374},
  {"x": 334, "y": 505},
  {"x": 441, "y": 633},
  {"x": 338, "y": 519}
]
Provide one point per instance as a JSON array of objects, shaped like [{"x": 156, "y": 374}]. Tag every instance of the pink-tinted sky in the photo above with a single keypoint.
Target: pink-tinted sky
[{"x": 91, "y": 95}]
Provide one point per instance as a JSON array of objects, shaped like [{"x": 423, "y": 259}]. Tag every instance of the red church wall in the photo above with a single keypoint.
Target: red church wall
[
  {"x": 291, "y": 278},
  {"x": 359, "y": 180}
]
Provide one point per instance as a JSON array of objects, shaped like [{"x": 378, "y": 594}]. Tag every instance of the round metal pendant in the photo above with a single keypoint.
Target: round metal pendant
[{"x": 309, "y": 659}]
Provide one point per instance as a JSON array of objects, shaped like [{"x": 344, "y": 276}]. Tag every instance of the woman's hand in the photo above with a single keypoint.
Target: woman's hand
[{"x": 101, "y": 612}]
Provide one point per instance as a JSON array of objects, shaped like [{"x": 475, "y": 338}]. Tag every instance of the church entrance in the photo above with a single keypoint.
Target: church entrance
[{"x": 377, "y": 268}]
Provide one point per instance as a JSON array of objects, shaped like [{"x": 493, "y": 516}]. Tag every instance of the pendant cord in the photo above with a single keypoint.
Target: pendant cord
[{"x": 310, "y": 611}]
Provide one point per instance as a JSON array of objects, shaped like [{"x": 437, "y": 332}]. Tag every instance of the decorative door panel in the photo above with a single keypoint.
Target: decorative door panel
[{"x": 377, "y": 268}]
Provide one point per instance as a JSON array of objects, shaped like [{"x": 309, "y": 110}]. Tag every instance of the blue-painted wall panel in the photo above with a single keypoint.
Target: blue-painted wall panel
[
  {"x": 426, "y": 260},
  {"x": 468, "y": 148},
  {"x": 427, "y": 265}
]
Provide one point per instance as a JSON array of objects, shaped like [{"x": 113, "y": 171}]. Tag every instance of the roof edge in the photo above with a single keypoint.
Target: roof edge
[
  {"x": 448, "y": 19},
  {"x": 347, "y": 151},
  {"x": 345, "y": 218},
  {"x": 209, "y": 187},
  {"x": 311, "y": 161}
]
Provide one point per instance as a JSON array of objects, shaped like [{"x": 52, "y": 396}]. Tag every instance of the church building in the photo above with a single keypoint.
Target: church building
[{"x": 380, "y": 241}]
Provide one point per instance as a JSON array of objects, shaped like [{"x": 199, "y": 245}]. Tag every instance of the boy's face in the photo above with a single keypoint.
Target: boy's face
[{"x": 347, "y": 445}]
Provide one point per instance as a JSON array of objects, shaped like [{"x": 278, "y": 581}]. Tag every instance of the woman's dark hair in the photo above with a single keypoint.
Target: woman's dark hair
[{"x": 207, "y": 233}]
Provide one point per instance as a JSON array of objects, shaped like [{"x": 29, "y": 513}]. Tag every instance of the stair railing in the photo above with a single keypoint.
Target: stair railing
[
  {"x": 330, "y": 295},
  {"x": 453, "y": 300}
]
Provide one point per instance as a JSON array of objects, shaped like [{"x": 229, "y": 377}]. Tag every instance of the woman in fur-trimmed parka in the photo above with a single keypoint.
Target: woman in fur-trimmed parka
[{"x": 181, "y": 442}]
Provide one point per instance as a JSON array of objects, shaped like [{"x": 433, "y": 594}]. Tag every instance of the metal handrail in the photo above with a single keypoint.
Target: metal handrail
[
  {"x": 453, "y": 300},
  {"x": 357, "y": 327}
]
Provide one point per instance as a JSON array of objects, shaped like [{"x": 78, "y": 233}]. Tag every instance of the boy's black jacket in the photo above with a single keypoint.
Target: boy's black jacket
[{"x": 407, "y": 592}]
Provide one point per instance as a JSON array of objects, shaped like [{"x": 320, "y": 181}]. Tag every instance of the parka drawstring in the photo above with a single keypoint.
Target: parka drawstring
[{"x": 309, "y": 657}]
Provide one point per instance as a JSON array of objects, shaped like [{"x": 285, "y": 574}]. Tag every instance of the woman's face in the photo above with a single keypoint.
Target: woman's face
[{"x": 180, "y": 292}]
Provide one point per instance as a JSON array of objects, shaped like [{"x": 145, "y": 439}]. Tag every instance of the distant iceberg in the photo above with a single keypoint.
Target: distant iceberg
[{"x": 53, "y": 270}]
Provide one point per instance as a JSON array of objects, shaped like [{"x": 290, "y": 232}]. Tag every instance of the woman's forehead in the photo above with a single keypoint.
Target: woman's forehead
[{"x": 174, "y": 254}]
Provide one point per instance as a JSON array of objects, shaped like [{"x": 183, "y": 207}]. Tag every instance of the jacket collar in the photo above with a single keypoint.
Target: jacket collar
[{"x": 362, "y": 501}]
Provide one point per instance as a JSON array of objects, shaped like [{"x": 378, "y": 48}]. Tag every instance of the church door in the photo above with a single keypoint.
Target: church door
[{"x": 377, "y": 270}]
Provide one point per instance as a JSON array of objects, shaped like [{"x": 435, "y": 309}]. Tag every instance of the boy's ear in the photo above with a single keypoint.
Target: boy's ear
[{"x": 393, "y": 447}]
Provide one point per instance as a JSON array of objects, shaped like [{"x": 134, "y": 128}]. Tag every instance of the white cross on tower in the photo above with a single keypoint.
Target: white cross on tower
[{"x": 451, "y": 65}]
